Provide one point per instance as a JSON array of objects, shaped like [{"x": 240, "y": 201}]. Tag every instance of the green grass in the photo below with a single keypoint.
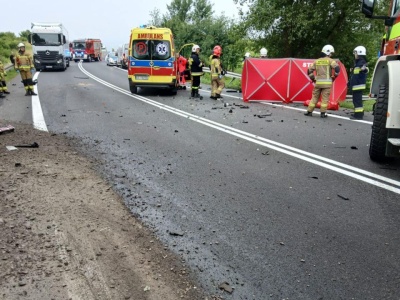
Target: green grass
[{"x": 368, "y": 104}]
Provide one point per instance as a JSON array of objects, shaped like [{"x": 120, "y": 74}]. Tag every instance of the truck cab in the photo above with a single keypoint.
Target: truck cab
[
  {"x": 49, "y": 42},
  {"x": 385, "y": 137}
]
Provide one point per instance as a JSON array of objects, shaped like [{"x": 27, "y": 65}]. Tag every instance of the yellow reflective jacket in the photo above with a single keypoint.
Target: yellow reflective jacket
[
  {"x": 321, "y": 70},
  {"x": 23, "y": 61}
]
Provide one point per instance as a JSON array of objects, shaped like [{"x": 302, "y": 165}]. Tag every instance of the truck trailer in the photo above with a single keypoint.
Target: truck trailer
[
  {"x": 49, "y": 45},
  {"x": 385, "y": 137}
]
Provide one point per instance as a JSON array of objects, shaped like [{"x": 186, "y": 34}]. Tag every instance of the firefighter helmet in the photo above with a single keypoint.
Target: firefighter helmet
[
  {"x": 328, "y": 49},
  {"x": 217, "y": 51},
  {"x": 247, "y": 54},
  {"x": 263, "y": 52},
  {"x": 195, "y": 47},
  {"x": 21, "y": 45},
  {"x": 360, "y": 50}
]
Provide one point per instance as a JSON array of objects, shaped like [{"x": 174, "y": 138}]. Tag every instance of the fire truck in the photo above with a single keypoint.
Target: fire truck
[
  {"x": 86, "y": 49},
  {"x": 385, "y": 137}
]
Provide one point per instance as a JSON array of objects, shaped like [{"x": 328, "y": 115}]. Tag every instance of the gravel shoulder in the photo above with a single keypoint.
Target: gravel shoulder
[{"x": 65, "y": 234}]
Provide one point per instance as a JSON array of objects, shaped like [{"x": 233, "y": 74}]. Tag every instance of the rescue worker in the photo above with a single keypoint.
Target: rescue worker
[
  {"x": 358, "y": 81},
  {"x": 196, "y": 70},
  {"x": 24, "y": 66},
  {"x": 3, "y": 85},
  {"x": 263, "y": 53},
  {"x": 217, "y": 73},
  {"x": 246, "y": 55},
  {"x": 323, "y": 72},
  {"x": 182, "y": 65}
]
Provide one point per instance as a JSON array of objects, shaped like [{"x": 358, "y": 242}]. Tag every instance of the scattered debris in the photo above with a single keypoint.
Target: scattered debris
[
  {"x": 265, "y": 153},
  {"x": 263, "y": 116},
  {"x": 8, "y": 128},
  {"x": 226, "y": 287},
  {"x": 343, "y": 197},
  {"x": 177, "y": 233},
  {"x": 146, "y": 288},
  {"x": 354, "y": 148},
  {"x": 33, "y": 145},
  {"x": 313, "y": 177},
  {"x": 11, "y": 148}
]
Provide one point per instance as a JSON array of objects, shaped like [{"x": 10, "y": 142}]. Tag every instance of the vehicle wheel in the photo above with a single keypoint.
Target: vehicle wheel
[
  {"x": 174, "y": 90},
  {"x": 76, "y": 60},
  {"x": 377, "y": 147},
  {"x": 133, "y": 89}
]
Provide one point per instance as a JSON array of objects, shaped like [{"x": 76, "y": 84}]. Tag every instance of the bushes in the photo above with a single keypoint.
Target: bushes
[{"x": 8, "y": 45}]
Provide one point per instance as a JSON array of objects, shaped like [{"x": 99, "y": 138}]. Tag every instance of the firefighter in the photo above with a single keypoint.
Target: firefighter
[
  {"x": 323, "y": 72},
  {"x": 263, "y": 53},
  {"x": 358, "y": 81},
  {"x": 24, "y": 66},
  {"x": 3, "y": 85},
  {"x": 217, "y": 73},
  {"x": 196, "y": 70}
]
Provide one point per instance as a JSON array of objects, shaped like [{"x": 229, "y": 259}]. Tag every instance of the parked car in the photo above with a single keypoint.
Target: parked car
[{"x": 111, "y": 59}]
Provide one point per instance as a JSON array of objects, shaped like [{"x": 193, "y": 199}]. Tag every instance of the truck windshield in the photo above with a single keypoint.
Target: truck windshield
[
  {"x": 46, "y": 39},
  {"x": 79, "y": 45},
  {"x": 151, "y": 49}
]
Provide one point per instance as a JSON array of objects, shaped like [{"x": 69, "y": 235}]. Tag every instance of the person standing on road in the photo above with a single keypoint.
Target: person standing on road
[
  {"x": 3, "y": 84},
  {"x": 24, "y": 66},
  {"x": 217, "y": 73},
  {"x": 196, "y": 70},
  {"x": 358, "y": 81},
  {"x": 323, "y": 72}
]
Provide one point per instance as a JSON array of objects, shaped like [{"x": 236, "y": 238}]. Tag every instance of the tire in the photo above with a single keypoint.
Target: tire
[
  {"x": 174, "y": 90},
  {"x": 133, "y": 89},
  {"x": 377, "y": 147}
]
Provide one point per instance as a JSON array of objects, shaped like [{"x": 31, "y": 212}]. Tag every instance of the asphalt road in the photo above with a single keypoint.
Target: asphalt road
[{"x": 278, "y": 205}]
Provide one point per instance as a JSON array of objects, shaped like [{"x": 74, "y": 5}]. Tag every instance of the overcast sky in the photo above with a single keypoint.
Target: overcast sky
[{"x": 110, "y": 21}]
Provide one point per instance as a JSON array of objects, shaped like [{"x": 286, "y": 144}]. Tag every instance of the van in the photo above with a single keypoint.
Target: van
[{"x": 152, "y": 62}]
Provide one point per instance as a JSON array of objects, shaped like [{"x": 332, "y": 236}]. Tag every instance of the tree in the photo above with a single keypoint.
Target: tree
[
  {"x": 300, "y": 28},
  {"x": 25, "y": 35}
]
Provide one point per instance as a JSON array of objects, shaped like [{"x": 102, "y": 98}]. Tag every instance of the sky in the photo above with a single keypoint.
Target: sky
[{"x": 111, "y": 21}]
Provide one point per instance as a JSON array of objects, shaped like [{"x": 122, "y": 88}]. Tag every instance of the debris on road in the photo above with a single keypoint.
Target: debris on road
[
  {"x": 8, "y": 128},
  {"x": 343, "y": 197},
  {"x": 226, "y": 287}
]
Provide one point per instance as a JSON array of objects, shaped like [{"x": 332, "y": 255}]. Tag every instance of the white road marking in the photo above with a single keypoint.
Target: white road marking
[
  {"x": 37, "y": 113},
  {"x": 356, "y": 173}
]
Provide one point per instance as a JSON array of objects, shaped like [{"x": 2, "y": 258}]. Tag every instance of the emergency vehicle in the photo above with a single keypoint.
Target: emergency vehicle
[
  {"x": 385, "y": 138},
  {"x": 152, "y": 61},
  {"x": 86, "y": 49}
]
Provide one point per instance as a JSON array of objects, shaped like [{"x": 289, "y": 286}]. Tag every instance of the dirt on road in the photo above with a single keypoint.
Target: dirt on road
[{"x": 65, "y": 233}]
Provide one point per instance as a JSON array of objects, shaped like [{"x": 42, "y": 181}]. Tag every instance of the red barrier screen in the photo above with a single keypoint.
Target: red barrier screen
[{"x": 286, "y": 80}]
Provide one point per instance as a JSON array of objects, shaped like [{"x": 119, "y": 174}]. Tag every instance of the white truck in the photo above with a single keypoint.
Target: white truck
[{"x": 49, "y": 46}]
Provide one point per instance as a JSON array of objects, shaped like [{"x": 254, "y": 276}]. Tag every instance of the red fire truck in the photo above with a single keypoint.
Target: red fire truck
[
  {"x": 385, "y": 138},
  {"x": 86, "y": 49}
]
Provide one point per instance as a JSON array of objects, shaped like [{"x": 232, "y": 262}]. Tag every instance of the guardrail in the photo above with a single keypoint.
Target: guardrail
[
  {"x": 239, "y": 76},
  {"x": 8, "y": 67}
]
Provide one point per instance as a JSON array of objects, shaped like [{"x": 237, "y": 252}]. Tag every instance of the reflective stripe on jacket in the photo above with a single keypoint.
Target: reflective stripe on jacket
[
  {"x": 322, "y": 68},
  {"x": 23, "y": 62},
  {"x": 359, "y": 77},
  {"x": 215, "y": 67}
]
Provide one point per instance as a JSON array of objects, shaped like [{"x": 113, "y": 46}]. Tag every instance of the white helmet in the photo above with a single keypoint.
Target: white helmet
[
  {"x": 195, "y": 47},
  {"x": 247, "y": 54},
  {"x": 20, "y": 45},
  {"x": 360, "y": 50},
  {"x": 263, "y": 52},
  {"x": 328, "y": 49}
]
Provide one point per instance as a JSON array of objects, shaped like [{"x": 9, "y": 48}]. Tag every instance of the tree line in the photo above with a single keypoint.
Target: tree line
[{"x": 287, "y": 28}]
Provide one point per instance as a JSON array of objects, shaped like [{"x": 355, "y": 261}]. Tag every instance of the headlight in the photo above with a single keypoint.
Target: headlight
[
  {"x": 59, "y": 61},
  {"x": 37, "y": 61}
]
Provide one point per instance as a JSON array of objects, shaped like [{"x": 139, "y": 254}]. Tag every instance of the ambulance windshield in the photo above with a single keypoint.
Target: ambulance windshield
[{"x": 151, "y": 49}]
